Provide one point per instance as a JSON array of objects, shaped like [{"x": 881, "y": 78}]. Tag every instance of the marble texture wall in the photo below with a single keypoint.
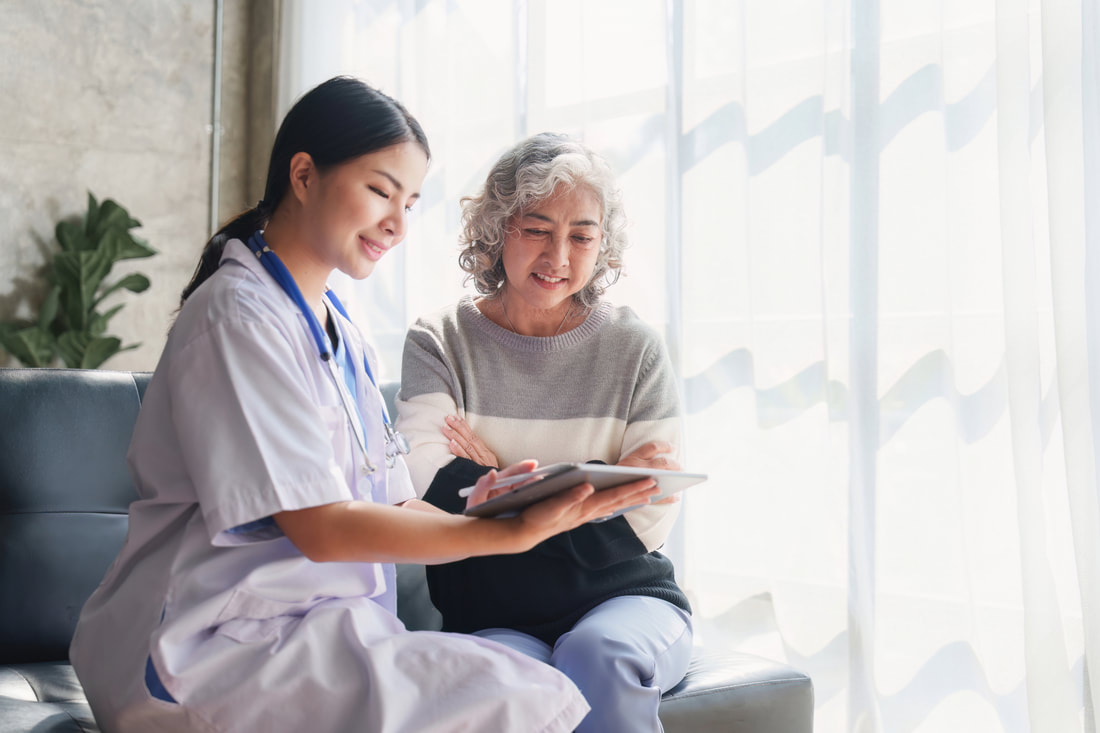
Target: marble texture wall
[{"x": 114, "y": 97}]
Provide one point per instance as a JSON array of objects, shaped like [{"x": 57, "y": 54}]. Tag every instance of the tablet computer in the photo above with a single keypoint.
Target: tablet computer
[{"x": 557, "y": 477}]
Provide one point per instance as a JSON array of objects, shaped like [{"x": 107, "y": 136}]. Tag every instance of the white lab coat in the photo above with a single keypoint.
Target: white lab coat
[{"x": 242, "y": 420}]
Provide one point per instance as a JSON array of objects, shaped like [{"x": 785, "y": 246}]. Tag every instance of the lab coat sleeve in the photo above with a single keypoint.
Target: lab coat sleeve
[
  {"x": 254, "y": 439},
  {"x": 399, "y": 488}
]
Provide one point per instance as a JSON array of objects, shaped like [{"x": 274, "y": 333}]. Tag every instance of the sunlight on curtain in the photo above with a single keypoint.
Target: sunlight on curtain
[{"x": 862, "y": 227}]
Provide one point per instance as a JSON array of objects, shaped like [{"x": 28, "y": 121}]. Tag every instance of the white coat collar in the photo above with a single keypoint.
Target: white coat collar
[{"x": 238, "y": 252}]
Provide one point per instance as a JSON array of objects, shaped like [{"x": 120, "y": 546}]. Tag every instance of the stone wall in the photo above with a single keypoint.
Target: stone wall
[{"x": 114, "y": 97}]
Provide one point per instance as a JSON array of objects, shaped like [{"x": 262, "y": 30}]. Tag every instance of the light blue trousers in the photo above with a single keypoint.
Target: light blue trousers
[{"x": 622, "y": 655}]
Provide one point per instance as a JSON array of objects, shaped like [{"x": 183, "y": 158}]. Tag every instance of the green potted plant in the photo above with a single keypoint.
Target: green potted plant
[{"x": 70, "y": 325}]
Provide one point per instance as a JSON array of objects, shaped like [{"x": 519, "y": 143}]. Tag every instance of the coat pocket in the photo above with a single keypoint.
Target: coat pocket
[{"x": 247, "y": 617}]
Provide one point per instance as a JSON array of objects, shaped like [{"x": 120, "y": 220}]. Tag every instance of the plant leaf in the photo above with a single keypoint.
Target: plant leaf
[
  {"x": 49, "y": 308},
  {"x": 71, "y": 237},
  {"x": 82, "y": 350},
  {"x": 31, "y": 345},
  {"x": 79, "y": 275},
  {"x": 97, "y": 324},
  {"x": 70, "y": 348},
  {"x": 92, "y": 215},
  {"x": 135, "y": 283},
  {"x": 130, "y": 247},
  {"x": 109, "y": 244},
  {"x": 99, "y": 350},
  {"x": 72, "y": 345},
  {"x": 69, "y": 325},
  {"x": 111, "y": 216}
]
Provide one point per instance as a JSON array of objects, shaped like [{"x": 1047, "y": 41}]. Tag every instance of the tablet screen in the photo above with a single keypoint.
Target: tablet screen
[{"x": 555, "y": 478}]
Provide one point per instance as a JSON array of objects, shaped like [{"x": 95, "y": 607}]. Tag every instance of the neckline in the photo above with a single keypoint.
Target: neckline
[{"x": 597, "y": 316}]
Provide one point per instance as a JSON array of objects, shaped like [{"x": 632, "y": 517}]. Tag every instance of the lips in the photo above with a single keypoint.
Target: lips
[
  {"x": 548, "y": 279},
  {"x": 373, "y": 249}
]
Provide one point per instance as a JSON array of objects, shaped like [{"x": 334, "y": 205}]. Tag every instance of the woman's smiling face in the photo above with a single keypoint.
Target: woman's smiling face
[
  {"x": 550, "y": 252},
  {"x": 359, "y": 209}
]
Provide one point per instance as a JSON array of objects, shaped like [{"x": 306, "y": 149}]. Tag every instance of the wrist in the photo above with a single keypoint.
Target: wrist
[
  {"x": 493, "y": 536},
  {"x": 517, "y": 535}
]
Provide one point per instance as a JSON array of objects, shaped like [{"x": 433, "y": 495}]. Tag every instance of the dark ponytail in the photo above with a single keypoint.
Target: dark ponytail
[
  {"x": 240, "y": 227},
  {"x": 336, "y": 121}
]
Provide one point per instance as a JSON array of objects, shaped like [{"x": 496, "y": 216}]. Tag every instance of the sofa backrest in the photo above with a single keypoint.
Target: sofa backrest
[
  {"x": 65, "y": 491},
  {"x": 64, "y": 494}
]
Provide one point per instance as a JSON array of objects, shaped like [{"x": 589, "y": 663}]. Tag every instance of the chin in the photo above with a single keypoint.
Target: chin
[{"x": 362, "y": 271}]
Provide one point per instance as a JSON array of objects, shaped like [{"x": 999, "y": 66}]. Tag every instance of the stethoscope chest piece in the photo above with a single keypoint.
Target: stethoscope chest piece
[{"x": 396, "y": 444}]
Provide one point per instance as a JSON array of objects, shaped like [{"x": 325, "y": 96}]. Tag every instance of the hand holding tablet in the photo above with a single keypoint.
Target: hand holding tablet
[{"x": 550, "y": 480}]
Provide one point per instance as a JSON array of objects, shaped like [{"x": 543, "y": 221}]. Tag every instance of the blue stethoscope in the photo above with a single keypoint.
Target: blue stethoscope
[{"x": 396, "y": 444}]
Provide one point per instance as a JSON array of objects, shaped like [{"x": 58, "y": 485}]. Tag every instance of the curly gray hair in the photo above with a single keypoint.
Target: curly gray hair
[{"x": 524, "y": 177}]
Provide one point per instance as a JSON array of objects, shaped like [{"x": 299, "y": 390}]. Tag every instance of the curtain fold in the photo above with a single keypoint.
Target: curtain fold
[
  {"x": 864, "y": 712},
  {"x": 1049, "y": 678},
  {"x": 1064, "y": 137},
  {"x": 868, "y": 230}
]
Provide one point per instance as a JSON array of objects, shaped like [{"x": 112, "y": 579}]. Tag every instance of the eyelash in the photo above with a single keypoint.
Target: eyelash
[
  {"x": 386, "y": 196},
  {"x": 581, "y": 240}
]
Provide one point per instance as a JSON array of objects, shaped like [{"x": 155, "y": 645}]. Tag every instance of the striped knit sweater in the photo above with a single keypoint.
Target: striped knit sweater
[{"x": 596, "y": 392}]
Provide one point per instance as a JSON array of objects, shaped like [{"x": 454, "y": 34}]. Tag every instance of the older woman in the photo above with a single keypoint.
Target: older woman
[{"x": 541, "y": 366}]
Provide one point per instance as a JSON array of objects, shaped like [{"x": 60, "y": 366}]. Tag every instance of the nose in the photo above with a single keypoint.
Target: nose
[
  {"x": 395, "y": 223},
  {"x": 557, "y": 250}
]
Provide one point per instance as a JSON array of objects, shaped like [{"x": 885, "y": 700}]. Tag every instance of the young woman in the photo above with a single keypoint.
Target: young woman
[
  {"x": 255, "y": 589},
  {"x": 541, "y": 365}
]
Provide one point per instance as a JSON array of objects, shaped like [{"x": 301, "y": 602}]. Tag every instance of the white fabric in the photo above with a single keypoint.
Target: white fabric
[
  {"x": 870, "y": 231},
  {"x": 241, "y": 420}
]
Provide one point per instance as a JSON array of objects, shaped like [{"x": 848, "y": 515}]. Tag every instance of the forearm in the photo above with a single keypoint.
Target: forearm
[
  {"x": 420, "y": 505},
  {"x": 357, "y": 531}
]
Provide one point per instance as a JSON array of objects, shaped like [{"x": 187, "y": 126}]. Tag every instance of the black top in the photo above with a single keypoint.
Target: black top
[{"x": 546, "y": 590}]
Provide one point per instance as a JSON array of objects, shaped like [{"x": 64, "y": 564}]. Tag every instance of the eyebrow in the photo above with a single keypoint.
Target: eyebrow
[
  {"x": 548, "y": 220},
  {"x": 396, "y": 183}
]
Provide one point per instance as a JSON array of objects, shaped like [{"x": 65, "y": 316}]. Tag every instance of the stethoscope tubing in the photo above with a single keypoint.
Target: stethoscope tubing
[{"x": 396, "y": 443}]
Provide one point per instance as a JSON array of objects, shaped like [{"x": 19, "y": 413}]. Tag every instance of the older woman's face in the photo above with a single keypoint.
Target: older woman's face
[{"x": 551, "y": 249}]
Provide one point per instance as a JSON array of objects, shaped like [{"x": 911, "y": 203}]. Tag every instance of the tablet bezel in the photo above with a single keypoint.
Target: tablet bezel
[{"x": 555, "y": 478}]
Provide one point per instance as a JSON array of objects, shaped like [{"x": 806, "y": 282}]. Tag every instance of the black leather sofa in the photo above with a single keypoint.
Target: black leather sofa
[{"x": 64, "y": 493}]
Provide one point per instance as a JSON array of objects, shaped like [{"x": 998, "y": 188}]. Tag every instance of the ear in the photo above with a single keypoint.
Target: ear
[{"x": 303, "y": 175}]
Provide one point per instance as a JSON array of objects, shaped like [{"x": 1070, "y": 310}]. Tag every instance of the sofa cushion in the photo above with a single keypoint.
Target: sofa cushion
[
  {"x": 44, "y": 698},
  {"x": 738, "y": 693}
]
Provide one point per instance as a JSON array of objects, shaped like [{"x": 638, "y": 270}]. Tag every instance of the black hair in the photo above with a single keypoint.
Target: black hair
[{"x": 336, "y": 121}]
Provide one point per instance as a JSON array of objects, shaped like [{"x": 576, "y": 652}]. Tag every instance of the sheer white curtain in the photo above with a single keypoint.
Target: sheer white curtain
[{"x": 870, "y": 230}]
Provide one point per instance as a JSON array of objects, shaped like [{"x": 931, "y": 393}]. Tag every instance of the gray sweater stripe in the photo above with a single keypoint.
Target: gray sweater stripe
[{"x": 622, "y": 374}]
